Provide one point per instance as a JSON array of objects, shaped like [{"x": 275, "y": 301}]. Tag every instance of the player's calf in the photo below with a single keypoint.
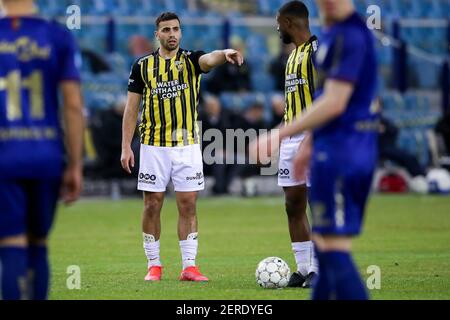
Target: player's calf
[
  {"x": 13, "y": 260},
  {"x": 38, "y": 268},
  {"x": 300, "y": 232}
]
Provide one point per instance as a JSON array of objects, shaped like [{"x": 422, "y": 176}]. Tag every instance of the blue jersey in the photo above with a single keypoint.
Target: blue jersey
[
  {"x": 345, "y": 149},
  {"x": 347, "y": 53},
  {"x": 35, "y": 56}
]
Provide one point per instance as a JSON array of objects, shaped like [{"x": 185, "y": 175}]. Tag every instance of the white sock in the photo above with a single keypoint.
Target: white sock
[
  {"x": 314, "y": 267},
  {"x": 151, "y": 248},
  {"x": 303, "y": 256},
  {"x": 188, "y": 249}
]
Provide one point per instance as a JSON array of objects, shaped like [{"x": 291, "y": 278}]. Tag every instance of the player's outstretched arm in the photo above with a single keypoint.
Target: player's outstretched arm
[
  {"x": 303, "y": 157},
  {"x": 328, "y": 106},
  {"x": 128, "y": 128},
  {"x": 74, "y": 129},
  {"x": 216, "y": 58}
]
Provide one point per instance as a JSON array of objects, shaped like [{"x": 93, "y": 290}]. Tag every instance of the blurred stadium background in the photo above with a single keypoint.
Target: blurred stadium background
[
  {"x": 406, "y": 236},
  {"x": 413, "y": 50}
]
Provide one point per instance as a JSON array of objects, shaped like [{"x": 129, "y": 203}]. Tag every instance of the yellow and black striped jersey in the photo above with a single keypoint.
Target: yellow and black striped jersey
[
  {"x": 300, "y": 78},
  {"x": 170, "y": 94}
]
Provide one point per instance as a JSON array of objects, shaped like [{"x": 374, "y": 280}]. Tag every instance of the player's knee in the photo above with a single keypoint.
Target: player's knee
[
  {"x": 295, "y": 207},
  {"x": 16, "y": 241},
  {"x": 153, "y": 204},
  {"x": 186, "y": 205},
  {"x": 295, "y": 201}
]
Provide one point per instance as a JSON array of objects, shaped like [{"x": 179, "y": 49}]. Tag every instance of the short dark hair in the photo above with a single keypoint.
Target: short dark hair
[
  {"x": 166, "y": 16},
  {"x": 296, "y": 9}
]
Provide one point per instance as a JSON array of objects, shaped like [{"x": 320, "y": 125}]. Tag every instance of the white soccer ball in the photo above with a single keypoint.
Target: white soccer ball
[
  {"x": 439, "y": 181},
  {"x": 272, "y": 273}
]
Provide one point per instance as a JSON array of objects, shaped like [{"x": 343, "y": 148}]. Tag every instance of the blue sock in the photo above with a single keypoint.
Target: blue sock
[
  {"x": 13, "y": 271},
  {"x": 321, "y": 287},
  {"x": 39, "y": 272},
  {"x": 343, "y": 277}
]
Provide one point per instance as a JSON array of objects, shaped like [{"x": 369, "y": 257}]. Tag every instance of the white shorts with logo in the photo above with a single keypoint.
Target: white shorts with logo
[
  {"x": 288, "y": 150},
  {"x": 184, "y": 165}
]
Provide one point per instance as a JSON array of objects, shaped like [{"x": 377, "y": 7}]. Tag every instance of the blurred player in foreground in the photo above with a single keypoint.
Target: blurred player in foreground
[
  {"x": 343, "y": 154},
  {"x": 168, "y": 83},
  {"x": 37, "y": 59},
  {"x": 293, "y": 26}
]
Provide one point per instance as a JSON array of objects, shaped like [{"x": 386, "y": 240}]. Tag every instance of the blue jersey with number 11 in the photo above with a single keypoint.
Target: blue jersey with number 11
[
  {"x": 345, "y": 149},
  {"x": 35, "y": 56}
]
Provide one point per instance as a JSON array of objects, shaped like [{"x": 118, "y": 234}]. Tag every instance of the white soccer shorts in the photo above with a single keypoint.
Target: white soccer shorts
[
  {"x": 184, "y": 165},
  {"x": 288, "y": 150}
]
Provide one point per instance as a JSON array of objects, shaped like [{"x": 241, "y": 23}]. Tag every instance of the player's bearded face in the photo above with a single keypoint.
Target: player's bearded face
[
  {"x": 169, "y": 34},
  {"x": 284, "y": 36}
]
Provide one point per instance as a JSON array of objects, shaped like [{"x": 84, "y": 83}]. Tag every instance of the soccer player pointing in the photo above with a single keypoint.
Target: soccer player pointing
[
  {"x": 168, "y": 83},
  {"x": 344, "y": 150}
]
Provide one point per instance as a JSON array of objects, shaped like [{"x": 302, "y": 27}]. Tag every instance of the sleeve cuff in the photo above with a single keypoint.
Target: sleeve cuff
[{"x": 135, "y": 91}]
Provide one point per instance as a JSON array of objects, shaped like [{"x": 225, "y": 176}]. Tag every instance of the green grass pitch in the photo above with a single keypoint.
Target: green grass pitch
[{"x": 408, "y": 237}]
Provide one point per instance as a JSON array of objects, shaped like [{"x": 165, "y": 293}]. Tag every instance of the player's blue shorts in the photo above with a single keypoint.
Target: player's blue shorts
[
  {"x": 28, "y": 206},
  {"x": 341, "y": 178}
]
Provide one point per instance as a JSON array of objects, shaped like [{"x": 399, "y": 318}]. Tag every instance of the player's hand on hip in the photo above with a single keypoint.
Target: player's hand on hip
[
  {"x": 301, "y": 161},
  {"x": 127, "y": 159},
  {"x": 71, "y": 184},
  {"x": 233, "y": 56},
  {"x": 264, "y": 147}
]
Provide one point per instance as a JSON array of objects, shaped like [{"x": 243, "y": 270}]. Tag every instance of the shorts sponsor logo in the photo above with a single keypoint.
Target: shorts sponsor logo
[
  {"x": 147, "y": 178},
  {"x": 198, "y": 176},
  {"x": 283, "y": 173}
]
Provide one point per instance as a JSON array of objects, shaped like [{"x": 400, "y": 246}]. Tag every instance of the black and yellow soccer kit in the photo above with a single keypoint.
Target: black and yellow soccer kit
[
  {"x": 299, "y": 94},
  {"x": 170, "y": 95},
  {"x": 300, "y": 77}
]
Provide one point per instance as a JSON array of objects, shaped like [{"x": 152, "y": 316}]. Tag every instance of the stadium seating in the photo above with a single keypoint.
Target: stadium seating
[
  {"x": 391, "y": 9},
  {"x": 432, "y": 40},
  {"x": 412, "y": 112}
]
